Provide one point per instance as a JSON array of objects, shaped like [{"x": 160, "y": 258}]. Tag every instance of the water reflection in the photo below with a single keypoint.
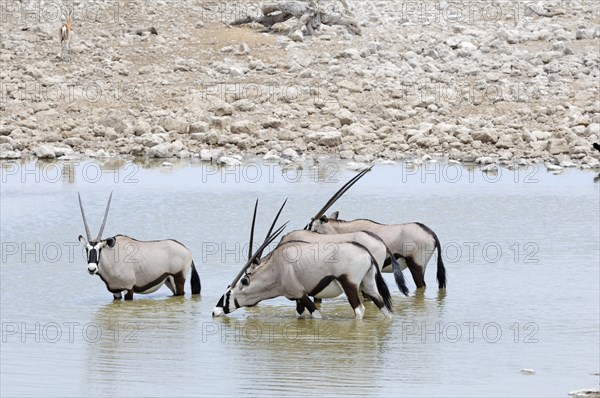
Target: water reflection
[
  {"x": 274, "y": 351},
  {"x": 142, "y": 341}
]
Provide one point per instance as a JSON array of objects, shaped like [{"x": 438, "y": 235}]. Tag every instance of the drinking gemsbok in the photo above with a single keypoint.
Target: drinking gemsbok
[
  {"x": 299, "y": 269},
  {"x": 412, "y": 244}
]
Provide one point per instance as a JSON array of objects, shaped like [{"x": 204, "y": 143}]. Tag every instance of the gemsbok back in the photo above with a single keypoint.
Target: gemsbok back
[
  {"x": 298, "y": 269},
  {"x": 412, "y": 244},
  {"x": 134, "y": 266}
]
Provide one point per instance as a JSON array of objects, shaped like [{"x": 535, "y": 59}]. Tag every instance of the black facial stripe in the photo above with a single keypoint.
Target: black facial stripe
[
  {"x": 93, "y": 256},
  {"x": 226, "y": 307},
  {"x": 235, "y": 302}
]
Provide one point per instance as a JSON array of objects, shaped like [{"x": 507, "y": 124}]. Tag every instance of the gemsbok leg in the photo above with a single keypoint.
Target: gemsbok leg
[
  {"x": 369, "y": 288},
  {"x": 351, "y": 291},
  {"x": 306, "y": 302},
  {"x": 170, "y": 282},
  {"x": 417, "y": 271},
  {"x": 179, "y": 283}
]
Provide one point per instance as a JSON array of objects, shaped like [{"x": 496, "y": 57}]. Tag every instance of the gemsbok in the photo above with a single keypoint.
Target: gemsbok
[
  {"x": 65, "y": 36},
  {"x": 369, "y": 240},
  {"x": 412, "y": 244},
  {"x": 298, "y": 269},
  {"x": 133, "y": 266}
]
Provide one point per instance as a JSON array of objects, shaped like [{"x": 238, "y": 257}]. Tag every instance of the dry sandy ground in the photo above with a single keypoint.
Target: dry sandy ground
[{"x": 467, "y": 80}]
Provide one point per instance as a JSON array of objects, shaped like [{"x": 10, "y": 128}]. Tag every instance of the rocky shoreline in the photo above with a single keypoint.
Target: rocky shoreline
[{"x": 512, "y": 90}]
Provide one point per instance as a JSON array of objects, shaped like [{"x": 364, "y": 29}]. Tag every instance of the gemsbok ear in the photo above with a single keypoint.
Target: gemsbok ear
[
  {"x": 82, "y": 240},
  {"x": 111, "y": 242},
  {"x": 334, "y": 215}
]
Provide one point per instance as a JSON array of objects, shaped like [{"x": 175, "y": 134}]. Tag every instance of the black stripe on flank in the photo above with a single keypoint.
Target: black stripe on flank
[
  {"x": 323, "y": 283},
  {"x": 140, "y": 289}
]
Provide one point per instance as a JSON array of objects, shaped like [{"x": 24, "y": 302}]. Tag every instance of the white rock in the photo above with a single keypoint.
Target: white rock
[
  {"x": 164, "y": 150},
  {"x": 527, "y": 371},
  {"x": 141, "y": 128},
  {"x": 272, "y": 155},
  {"x": 10, "y": 154},
  {"x": 326, "y": 138},
  {"x": 228, "y": 161},
  {"x": 198, "y": 127},
  {"x": 210, "y": 155},
  {"x": 176, "y": 124},
  {"x": 586, "y": 393},
  {"x": 593, "y": 128},
  {"x": 567, "y": 163},
  {"x": 297, "y": 36},
  {"x": 44, "y": 152},
  {"x": 345, "y": 117},
  {"x": 63, "y": 151},
  {"x": 557, "y": 145},
  {"x": 484, "y": 160},
  {"x": 505, "y": 141},
  {"x": 553, "y": 167},
  {"x": 289, "y": 153},
  {"x": 357, "y": 166},
  {"x": 490, "y": 168}
]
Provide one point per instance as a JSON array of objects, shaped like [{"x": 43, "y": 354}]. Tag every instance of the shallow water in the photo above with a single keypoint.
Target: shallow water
[{"x": 521, "y": 250}]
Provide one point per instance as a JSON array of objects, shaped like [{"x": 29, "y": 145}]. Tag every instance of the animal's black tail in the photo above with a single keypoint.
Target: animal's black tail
[
  {"x": 383, "y": 290},
  {"x": 441, "y": 271},
  {"x": 195, "y": 280},
  {"x": 382, "y": 287},
  {"x": 398, "y": 276}
]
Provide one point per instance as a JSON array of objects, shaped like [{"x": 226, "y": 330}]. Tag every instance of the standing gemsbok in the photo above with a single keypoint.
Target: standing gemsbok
[
  {"x": 133, "y": 266},
  {"x": 412, "y": 244},
  {"x": 298, "y": 269}
]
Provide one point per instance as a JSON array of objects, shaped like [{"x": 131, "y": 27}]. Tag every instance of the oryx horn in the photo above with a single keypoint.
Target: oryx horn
[
  {"x": 255, "y": 255},
  {"x": 104, "y": 221},
  {"x": 252, "y": 229},
  {"x": 340, "y": 192},
  {"x": 259, "y": 253},
  {"x": 87, "y": 228}
]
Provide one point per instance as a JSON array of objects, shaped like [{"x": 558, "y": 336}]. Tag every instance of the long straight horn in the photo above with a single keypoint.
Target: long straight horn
[
  {"x": 340, "y": 192},
  {"x": 85, "y": 224},
  {"x": 252, "y": 230},
  {"x": 104, "y": 221},
  {"x": 255, "y": 255},
  {"x": 259, "y": 253}
]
